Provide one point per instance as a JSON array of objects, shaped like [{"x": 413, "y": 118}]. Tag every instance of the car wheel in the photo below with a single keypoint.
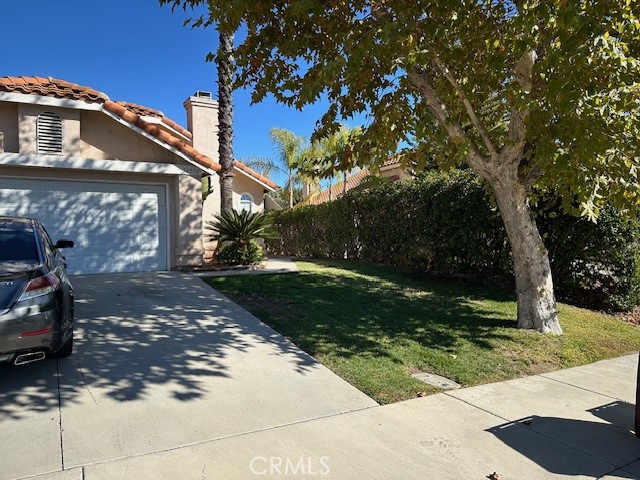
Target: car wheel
[{"x": 66, "y": 350}]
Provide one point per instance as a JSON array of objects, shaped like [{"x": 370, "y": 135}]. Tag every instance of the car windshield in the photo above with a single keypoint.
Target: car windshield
[{"x": 18, "y": 244}]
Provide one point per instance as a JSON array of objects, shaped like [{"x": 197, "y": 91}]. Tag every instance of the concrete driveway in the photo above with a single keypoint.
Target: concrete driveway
[{"x": 162, "y": 361}]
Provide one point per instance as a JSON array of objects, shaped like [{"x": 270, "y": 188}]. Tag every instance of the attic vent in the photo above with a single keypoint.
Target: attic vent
[
  {"x": 203, "y": 94},
  {"x": 49, "y": 132}
]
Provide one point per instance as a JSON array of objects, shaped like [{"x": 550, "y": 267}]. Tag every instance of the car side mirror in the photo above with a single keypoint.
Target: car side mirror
[{"x": 64, "y": 244}]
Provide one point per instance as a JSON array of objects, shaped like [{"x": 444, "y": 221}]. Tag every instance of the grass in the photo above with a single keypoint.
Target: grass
[{"x": 374, "y": 326}]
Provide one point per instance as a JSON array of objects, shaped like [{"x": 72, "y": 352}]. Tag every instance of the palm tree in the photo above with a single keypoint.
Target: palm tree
[
  {"x": 289, "y": 150},
  {"x": 334, "y": 155},
  {"x": 224, "y": 62}
]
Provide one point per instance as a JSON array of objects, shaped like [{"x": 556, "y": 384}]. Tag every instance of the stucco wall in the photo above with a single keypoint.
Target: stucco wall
[
  {"x": 97, "y": 134},
  {"x": 189, "y": 249},
  {"x": 8, "y": 127},
  {"x": 27, "y": 128},
  {"x": 395, "y": 172},
  {"x": 242, "y": 184}
]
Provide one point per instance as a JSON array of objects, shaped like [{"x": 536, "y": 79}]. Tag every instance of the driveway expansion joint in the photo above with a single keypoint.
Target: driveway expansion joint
[
  {"x": 60, "y": 415},
  {"x": 475, "y": 406},
  {"x": 226, "y": 437},
  {"x": 581, "y": 388}
]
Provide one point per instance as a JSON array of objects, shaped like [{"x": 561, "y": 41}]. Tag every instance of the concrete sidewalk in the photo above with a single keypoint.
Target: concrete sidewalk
[
  {"x": 573, "y": 423},
  {"x": 272, "y": 266}
]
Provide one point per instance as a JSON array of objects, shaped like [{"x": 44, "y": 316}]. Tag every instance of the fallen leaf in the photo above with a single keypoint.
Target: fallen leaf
[{"x": 494, "y": 476}]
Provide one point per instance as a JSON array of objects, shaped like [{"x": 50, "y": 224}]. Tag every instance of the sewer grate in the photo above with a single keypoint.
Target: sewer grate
[{"x": 436, "y": 380}]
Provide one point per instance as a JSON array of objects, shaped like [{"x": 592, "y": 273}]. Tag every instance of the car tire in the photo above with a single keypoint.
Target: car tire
[{"x": 66, "y": 350}]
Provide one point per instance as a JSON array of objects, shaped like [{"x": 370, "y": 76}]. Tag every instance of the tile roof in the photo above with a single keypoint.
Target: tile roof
[
  {"x": 151, "y": 112},
  {"x": 161, "y": 134},
  {"x": 254, "y": 174},
  {"x": 130, "y": 112},
  {"x": 394, "y": 160},
  {"x": 51, "y": 87},
  {"x": 337, "y": 190}
]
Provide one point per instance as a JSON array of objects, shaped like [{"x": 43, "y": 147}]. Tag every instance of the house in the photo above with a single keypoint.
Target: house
[
  {"x": 391, "y": 169},
  {"x": 121, "y": 180}
]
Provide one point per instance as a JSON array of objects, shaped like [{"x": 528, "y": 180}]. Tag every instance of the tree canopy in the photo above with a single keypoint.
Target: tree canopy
[
  {"x": 580, "y": 93},
  {"x": 526, "y": 93}
]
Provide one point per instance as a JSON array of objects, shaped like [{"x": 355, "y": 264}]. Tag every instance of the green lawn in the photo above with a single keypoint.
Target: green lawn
[{"x": 374, "y": 326}]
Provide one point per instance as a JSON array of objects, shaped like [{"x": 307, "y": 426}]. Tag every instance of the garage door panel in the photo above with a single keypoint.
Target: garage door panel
[{"x": 116, "y": 227}]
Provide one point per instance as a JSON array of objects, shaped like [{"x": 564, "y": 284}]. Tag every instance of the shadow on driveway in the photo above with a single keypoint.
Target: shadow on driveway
[{"x": 135, "y": 332}]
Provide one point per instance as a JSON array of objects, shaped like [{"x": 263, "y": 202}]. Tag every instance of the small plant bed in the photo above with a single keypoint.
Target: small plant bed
[
  {"x": 375, "y": 326},
  {"x": 237, "y": 233}
]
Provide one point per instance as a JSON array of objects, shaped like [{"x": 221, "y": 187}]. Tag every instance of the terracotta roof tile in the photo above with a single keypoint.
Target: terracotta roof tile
[
  {"x": 337, "y": 190},
  {"x": 128, "y": 111},
  {"x": 254, "y": 174},
  {"x": 178, "y": 128},
  {"x": 395, "y": 160},
  {"x": 51, "y": 87},
  {"x": 120, "y": 109},
  {"x": 152, "y": 112},
  {"x": 141, "y": 110}
]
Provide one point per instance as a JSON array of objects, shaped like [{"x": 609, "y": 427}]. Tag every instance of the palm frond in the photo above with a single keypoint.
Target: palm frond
[
  {"x": 287, "y": 145},
  {"x": 263, "y": 165},
  {"x": 239, "y": 227}
]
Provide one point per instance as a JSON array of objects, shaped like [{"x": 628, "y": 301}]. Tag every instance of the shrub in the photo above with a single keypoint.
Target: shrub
[
  {"x": 445, "y": 224},
  {"x": 594, "y": 264},
  {"x": 247, "y": 254},
  {"x": 236, "y": 231}
]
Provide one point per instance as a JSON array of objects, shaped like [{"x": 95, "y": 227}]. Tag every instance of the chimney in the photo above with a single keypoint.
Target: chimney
[{"x": 202, "y": 122}]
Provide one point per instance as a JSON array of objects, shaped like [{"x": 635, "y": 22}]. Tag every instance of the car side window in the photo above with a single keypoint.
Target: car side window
[{"x": 50, "y": 251}]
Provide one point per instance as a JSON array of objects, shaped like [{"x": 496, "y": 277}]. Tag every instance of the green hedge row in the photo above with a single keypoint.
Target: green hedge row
[{"x": 444, "y": 224}]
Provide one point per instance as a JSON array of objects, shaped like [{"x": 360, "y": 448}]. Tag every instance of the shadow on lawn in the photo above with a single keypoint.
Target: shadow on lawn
[{"x": 358, "y": 313}]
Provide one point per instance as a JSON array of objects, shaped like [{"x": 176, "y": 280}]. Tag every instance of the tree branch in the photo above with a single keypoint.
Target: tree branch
[
  {"x": 440, "y": 111},
  {"x": 524, "y": 77},
  {"x": 467, "y": 105}
]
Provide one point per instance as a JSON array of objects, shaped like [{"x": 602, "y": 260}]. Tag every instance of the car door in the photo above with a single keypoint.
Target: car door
[{"x": 57, "y": 264}]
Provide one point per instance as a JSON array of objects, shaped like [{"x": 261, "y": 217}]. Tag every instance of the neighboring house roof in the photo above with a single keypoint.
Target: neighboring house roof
[
  {"x": 391, "y": 162},
  {"x": 137, "y": 115},
  {"x": 335, "y": 191}
]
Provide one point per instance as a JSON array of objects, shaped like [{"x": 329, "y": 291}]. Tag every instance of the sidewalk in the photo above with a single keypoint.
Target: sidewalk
[
  {"x": 573, "y": 423},
  {"x": 271, "y": 266}
]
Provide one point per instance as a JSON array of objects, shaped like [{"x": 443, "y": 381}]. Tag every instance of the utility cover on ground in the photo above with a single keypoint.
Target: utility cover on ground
[{"x": 436, "y": 380}]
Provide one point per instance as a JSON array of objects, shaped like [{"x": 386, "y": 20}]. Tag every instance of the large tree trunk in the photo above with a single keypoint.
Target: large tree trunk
[
  {"x": 534, "y": 285},
  {"x": 224, "y": 62}
]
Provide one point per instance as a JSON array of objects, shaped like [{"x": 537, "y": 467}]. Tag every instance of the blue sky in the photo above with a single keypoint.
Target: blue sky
[{"x": 139, "y": 52}]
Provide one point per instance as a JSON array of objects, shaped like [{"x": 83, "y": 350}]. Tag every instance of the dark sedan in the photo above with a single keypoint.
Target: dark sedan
[{"x": 36, "y": 297}]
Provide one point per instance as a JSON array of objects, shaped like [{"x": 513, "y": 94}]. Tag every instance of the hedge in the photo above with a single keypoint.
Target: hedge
[{"x": 444, "y": 224}]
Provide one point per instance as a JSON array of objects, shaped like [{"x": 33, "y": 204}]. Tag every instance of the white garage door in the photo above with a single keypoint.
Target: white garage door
[{"x": 116, "y": 227}]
